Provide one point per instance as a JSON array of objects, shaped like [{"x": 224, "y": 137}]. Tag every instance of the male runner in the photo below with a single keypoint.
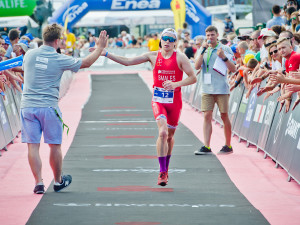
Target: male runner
[{"x": 168, "y": 67}]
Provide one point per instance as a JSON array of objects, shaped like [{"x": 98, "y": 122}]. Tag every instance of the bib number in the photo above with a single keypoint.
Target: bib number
[{"x": 162, "y": 96}]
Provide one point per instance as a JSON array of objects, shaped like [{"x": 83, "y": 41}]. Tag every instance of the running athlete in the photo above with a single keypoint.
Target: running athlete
[{"x": 168, "y": 67}]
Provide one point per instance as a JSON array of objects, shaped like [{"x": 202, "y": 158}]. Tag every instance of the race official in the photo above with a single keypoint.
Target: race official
[{"x": 214, "y": 87}]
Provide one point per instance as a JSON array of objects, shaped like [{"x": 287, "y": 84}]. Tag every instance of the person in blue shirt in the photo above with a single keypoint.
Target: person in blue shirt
[
  {"x": 229, "y": 27},
  {"x": 277, "y": 19}
]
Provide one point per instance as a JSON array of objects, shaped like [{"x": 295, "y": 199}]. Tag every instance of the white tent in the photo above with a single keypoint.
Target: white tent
[
  {"x": 17, "y": 21},
  {"x": 108, "y": 18}
]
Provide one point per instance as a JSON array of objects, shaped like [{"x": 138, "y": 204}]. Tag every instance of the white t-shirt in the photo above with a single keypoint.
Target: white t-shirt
[{"x": 276, "y": 65}]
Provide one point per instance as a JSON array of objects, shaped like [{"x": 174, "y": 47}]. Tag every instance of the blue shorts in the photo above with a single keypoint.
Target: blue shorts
[{"x": 35, "y": 121}]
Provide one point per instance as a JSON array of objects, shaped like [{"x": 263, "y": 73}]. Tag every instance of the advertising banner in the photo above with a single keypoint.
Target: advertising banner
[
  {"x": 17, "y": 7},
  {"x": 178, "y": 8},
  {"x": 8, "y": 136},
  {"x": 240, "y": 115},
  {"x": 288, "y": 137},
  {"x": 11, "y": 112},
  {"x": 271, "y": 106},
  {"x": 257, "y": 118},
  {"x": 234, "y": 102},
  {"x": 197, "y": 16}
]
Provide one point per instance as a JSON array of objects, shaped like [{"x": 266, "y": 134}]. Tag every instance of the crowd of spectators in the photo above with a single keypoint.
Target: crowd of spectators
[
  {"x": 259, "y": 54},
  {"x": 271, "y": 54}
]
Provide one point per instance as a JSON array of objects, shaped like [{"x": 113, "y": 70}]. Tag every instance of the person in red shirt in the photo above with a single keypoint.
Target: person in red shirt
[
  {"x": 292, "y": 64},
  {"x": 168, "y": 67}
]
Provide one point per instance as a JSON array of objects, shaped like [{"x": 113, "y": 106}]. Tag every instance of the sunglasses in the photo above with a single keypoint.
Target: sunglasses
[
  {"x": 244, "y": 38},
  {"x": 267, "y": 45},
  {"x": 294, "y": 18},
  {"x": 167, "y": 38},
  {"x": 252, "y": 39},
  {"x": 274, "y": 52}
]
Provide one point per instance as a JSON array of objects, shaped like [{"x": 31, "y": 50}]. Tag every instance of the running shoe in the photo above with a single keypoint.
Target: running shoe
[
  {"x": 225, "y": 150},
  {"x": 39, "y": 189},
  {"x": 203, "y": 151},
  {"x": 162, "y": 179},
  {"x": 66, "y": 181}
]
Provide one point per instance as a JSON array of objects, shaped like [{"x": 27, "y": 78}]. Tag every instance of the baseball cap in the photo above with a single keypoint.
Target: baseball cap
[
  {"x": 247, "y": 58},
  {"x": 247, "y": 34},
  {"x": 170, "y": 31},
  {"x": 233, "y": 48},
  {"x": 266, "y": 32},
  {"x": 24, "y": 45},
  {"x": 30, "y": 36},
  {"x": 7, "y": 41}
]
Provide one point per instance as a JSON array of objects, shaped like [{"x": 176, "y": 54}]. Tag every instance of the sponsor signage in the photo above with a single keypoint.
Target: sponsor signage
[
  {"x": 74, "y": 10},
  {"x": 17, "y": 7}
]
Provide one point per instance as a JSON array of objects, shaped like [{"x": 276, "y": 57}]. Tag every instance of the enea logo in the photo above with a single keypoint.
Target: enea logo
[
  {"x": 135, "y": 4},
  {"x": 74, "y": 11},
  {"x": 191, "y": 11}
]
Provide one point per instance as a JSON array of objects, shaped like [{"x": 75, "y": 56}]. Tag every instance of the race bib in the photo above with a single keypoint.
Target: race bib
[{"x": 163, "y": 96}]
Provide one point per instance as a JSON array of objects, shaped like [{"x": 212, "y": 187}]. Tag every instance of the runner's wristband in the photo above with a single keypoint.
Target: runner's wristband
[{"x": 106, "y": 54}]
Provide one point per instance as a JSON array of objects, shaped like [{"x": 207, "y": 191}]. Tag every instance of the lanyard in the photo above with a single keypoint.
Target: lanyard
[
  {"x": 64, "y": 125},
  {"x": 209, "y": 53}
]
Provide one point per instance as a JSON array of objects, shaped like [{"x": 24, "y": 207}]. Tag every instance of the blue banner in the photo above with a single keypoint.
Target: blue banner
[{"x": 196, "y": 15}]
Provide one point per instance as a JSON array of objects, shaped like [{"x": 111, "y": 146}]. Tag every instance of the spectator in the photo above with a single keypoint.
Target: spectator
[
  {"x": 188, "y": 49},
  {"x": 264, "y": 34},
  {"x": 13, "y": 36},
  {"x": 153, "y": 43},
  {"x": 185, "y": 30},
  {"x": 292, "y": 4},
  {"x": 245, "y": 37},
  {"x": 2, "y": 53},
  {"x": 254, "y": 45},
  {"x": 229, "y": 27},
  {"x": 295, "y": 21},
  {"x": 70, "y": 40},
  {"x": 187, "y": 36},
  {"x": 289, "y": 35},
  {"x": 277, "y": 19},
  {"x": 126, "y": 38},
  {"x": 289, "y": 12},
  {"x": 91, "y": 39},
  {"x": 278, "y": 29},
  {"x": 198, "y": 43}
]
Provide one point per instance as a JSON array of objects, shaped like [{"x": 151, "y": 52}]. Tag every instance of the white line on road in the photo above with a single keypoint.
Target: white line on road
[
  {"x": 117, "y": 128},
  {"x": 130, "y": 146},
  {"x": 182, "y": 205},
  {"x": 119, "y": 121},
  {"x": 125, "y": 110},
  {"x": 139, "y": 170}
]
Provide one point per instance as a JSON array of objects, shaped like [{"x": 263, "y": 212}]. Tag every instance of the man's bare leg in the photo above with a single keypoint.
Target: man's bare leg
[
  {"x": 227, "y": 128},
  {"x": 35, "y": 162},
  {"x": 56, "y": 161},
  {"x": 207, "y": 127}
]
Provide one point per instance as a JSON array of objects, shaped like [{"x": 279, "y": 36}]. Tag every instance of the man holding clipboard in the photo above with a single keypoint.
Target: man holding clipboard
[{"x": 215, "y": 59}]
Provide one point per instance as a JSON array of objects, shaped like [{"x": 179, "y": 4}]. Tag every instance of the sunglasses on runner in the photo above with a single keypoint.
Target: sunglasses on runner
[
  {"x": 168, "y": 38},
  {"x": 267, "y": 45},
  {"x": 274, "y": 52},
  {"x": 294, "y": 18}
]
